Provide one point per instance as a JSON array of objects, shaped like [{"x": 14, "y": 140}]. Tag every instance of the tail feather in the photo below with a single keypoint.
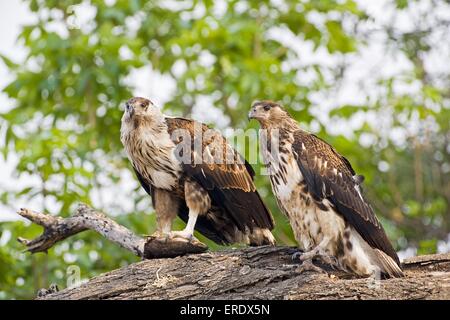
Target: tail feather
[
  {"x": 256, "y": 237},
  {"x": 389, "y": 267},
  {"x": 260, "y": 237},
  {"x": 224, "y": 229}
]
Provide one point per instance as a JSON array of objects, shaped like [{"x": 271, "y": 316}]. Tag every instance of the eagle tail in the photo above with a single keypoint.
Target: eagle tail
[
  {"x": 260, "y": 237},
  {"x": 221, "y": 231},
  {"x": 389, "y": 268},
  {"x": 215, "y": 227}
]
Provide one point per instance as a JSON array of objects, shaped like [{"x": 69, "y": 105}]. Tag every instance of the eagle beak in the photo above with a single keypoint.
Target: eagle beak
[
  {"x": 251, "y": 114},
  {"x": 129, "y": 109}
]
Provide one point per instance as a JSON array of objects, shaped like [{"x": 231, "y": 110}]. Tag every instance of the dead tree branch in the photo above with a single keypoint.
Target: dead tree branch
[{"x": 85, "y": 218}]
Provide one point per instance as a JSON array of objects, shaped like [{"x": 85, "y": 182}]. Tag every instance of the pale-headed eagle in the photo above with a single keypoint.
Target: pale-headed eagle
[
  {"x": 191, "y": 171},
  {"x": 320, "y": 193}
]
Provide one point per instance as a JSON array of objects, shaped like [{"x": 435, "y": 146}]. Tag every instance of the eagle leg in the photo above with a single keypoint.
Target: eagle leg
[
  {"x": 318, "y": 252},
  {"x": 188, "y": 232},
  {"x": 166, "y": 208},
  {"x": 198, "y": 202}
]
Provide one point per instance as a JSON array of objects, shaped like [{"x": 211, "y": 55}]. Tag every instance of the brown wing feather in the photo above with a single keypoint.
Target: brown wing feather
[
  {"x": 339, "y": 188},
  {"x": 230, "y": 183}
]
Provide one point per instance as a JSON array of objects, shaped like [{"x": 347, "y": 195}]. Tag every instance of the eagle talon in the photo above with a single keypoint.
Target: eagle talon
[
  {"x": 296, "y": 256},
  {"x": 308, "y": 265},
  {"x": 327, "y": 259},
  {"x": 319, "y": 254},
  {"x": 162, "y": 236},
  {"x": 183, "y": 235},
  {"x": 158, "y": 234}
]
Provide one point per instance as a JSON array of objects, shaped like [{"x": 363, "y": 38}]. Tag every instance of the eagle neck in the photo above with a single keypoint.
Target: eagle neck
[{"x": 286, "y": 125}]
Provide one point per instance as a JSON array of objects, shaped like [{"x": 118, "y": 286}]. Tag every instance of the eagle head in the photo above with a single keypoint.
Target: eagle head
[
  {"x": 137, "y": 107},
  {"x": 140, "y": 110},
  {"x": 267, "y": 112}
]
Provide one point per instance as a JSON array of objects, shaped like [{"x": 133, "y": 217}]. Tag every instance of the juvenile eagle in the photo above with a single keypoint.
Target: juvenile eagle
[
  {"x": 191, "y": 171},
  {"x": 320, "y": 193}
]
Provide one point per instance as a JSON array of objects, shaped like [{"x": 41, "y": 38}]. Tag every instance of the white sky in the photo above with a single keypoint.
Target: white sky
[{"x": 13, "y": 14}]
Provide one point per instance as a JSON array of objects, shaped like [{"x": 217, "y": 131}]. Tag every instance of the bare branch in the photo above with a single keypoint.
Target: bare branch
[{"x": 57, "y": 229}]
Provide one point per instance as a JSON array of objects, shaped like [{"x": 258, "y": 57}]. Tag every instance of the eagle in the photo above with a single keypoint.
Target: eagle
[
  {"x": 190, "y": 171},
  {"x": 320, "y": 193}
]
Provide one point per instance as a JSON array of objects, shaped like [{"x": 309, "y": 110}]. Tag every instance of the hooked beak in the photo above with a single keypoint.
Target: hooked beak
[
  {"x": 129, "y": 109},
  {"x": 251, "y": 114}
]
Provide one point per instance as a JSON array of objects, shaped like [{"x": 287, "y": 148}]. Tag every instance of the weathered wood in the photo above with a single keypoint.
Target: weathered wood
[
  {"x": 256, "y": 273},
  {"x": 57, "y": 229},
  {"x": 251, "y": 273},
  {"x": 85, "y": 218}
]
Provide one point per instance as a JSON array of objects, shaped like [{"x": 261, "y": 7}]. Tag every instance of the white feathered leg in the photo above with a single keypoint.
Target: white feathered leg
[
  {"x": 198, "y": 202},
  {"x": 188, "y": 232}
]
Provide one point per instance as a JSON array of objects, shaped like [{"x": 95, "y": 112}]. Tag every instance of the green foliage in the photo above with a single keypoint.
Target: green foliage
[{"x": 64, "y": 124}]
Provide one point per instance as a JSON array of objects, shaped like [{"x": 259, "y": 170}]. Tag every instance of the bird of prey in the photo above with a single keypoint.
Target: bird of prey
[
  {"x": 191, "y": 171},
  {"x": 320, "y": 193}
]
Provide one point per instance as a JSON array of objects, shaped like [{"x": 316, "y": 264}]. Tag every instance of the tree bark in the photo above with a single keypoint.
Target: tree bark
[
  {"x": 251, "y": 273},
  {"x": 258, "y": 273}
]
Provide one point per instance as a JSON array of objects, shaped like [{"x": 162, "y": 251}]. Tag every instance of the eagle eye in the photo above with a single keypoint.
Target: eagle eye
[
  {"x": 143, "y": 105},
  {"x": 266, "y": 107}
]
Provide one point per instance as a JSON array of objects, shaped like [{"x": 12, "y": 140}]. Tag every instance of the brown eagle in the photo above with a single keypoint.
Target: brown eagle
[
  {"x": 191, "y": 171},
  {"x": 320, "y": 193}
]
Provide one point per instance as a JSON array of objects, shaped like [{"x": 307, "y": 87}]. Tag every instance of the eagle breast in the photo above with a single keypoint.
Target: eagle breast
[
  {"x": 151, "y": 151},
  {"x": 282, "y": 168}
]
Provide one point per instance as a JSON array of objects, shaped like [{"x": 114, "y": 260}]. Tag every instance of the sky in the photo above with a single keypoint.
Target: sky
[
  {"x": 13, "y": 14},
  {"x": 365, "y": 68}
]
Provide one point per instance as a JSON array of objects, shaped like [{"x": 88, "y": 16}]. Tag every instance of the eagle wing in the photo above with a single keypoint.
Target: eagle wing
[
  {"x": 229, "y": 183},
  {"x": 330, "y": 176},
  {"x": 147, "y": 187}
]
